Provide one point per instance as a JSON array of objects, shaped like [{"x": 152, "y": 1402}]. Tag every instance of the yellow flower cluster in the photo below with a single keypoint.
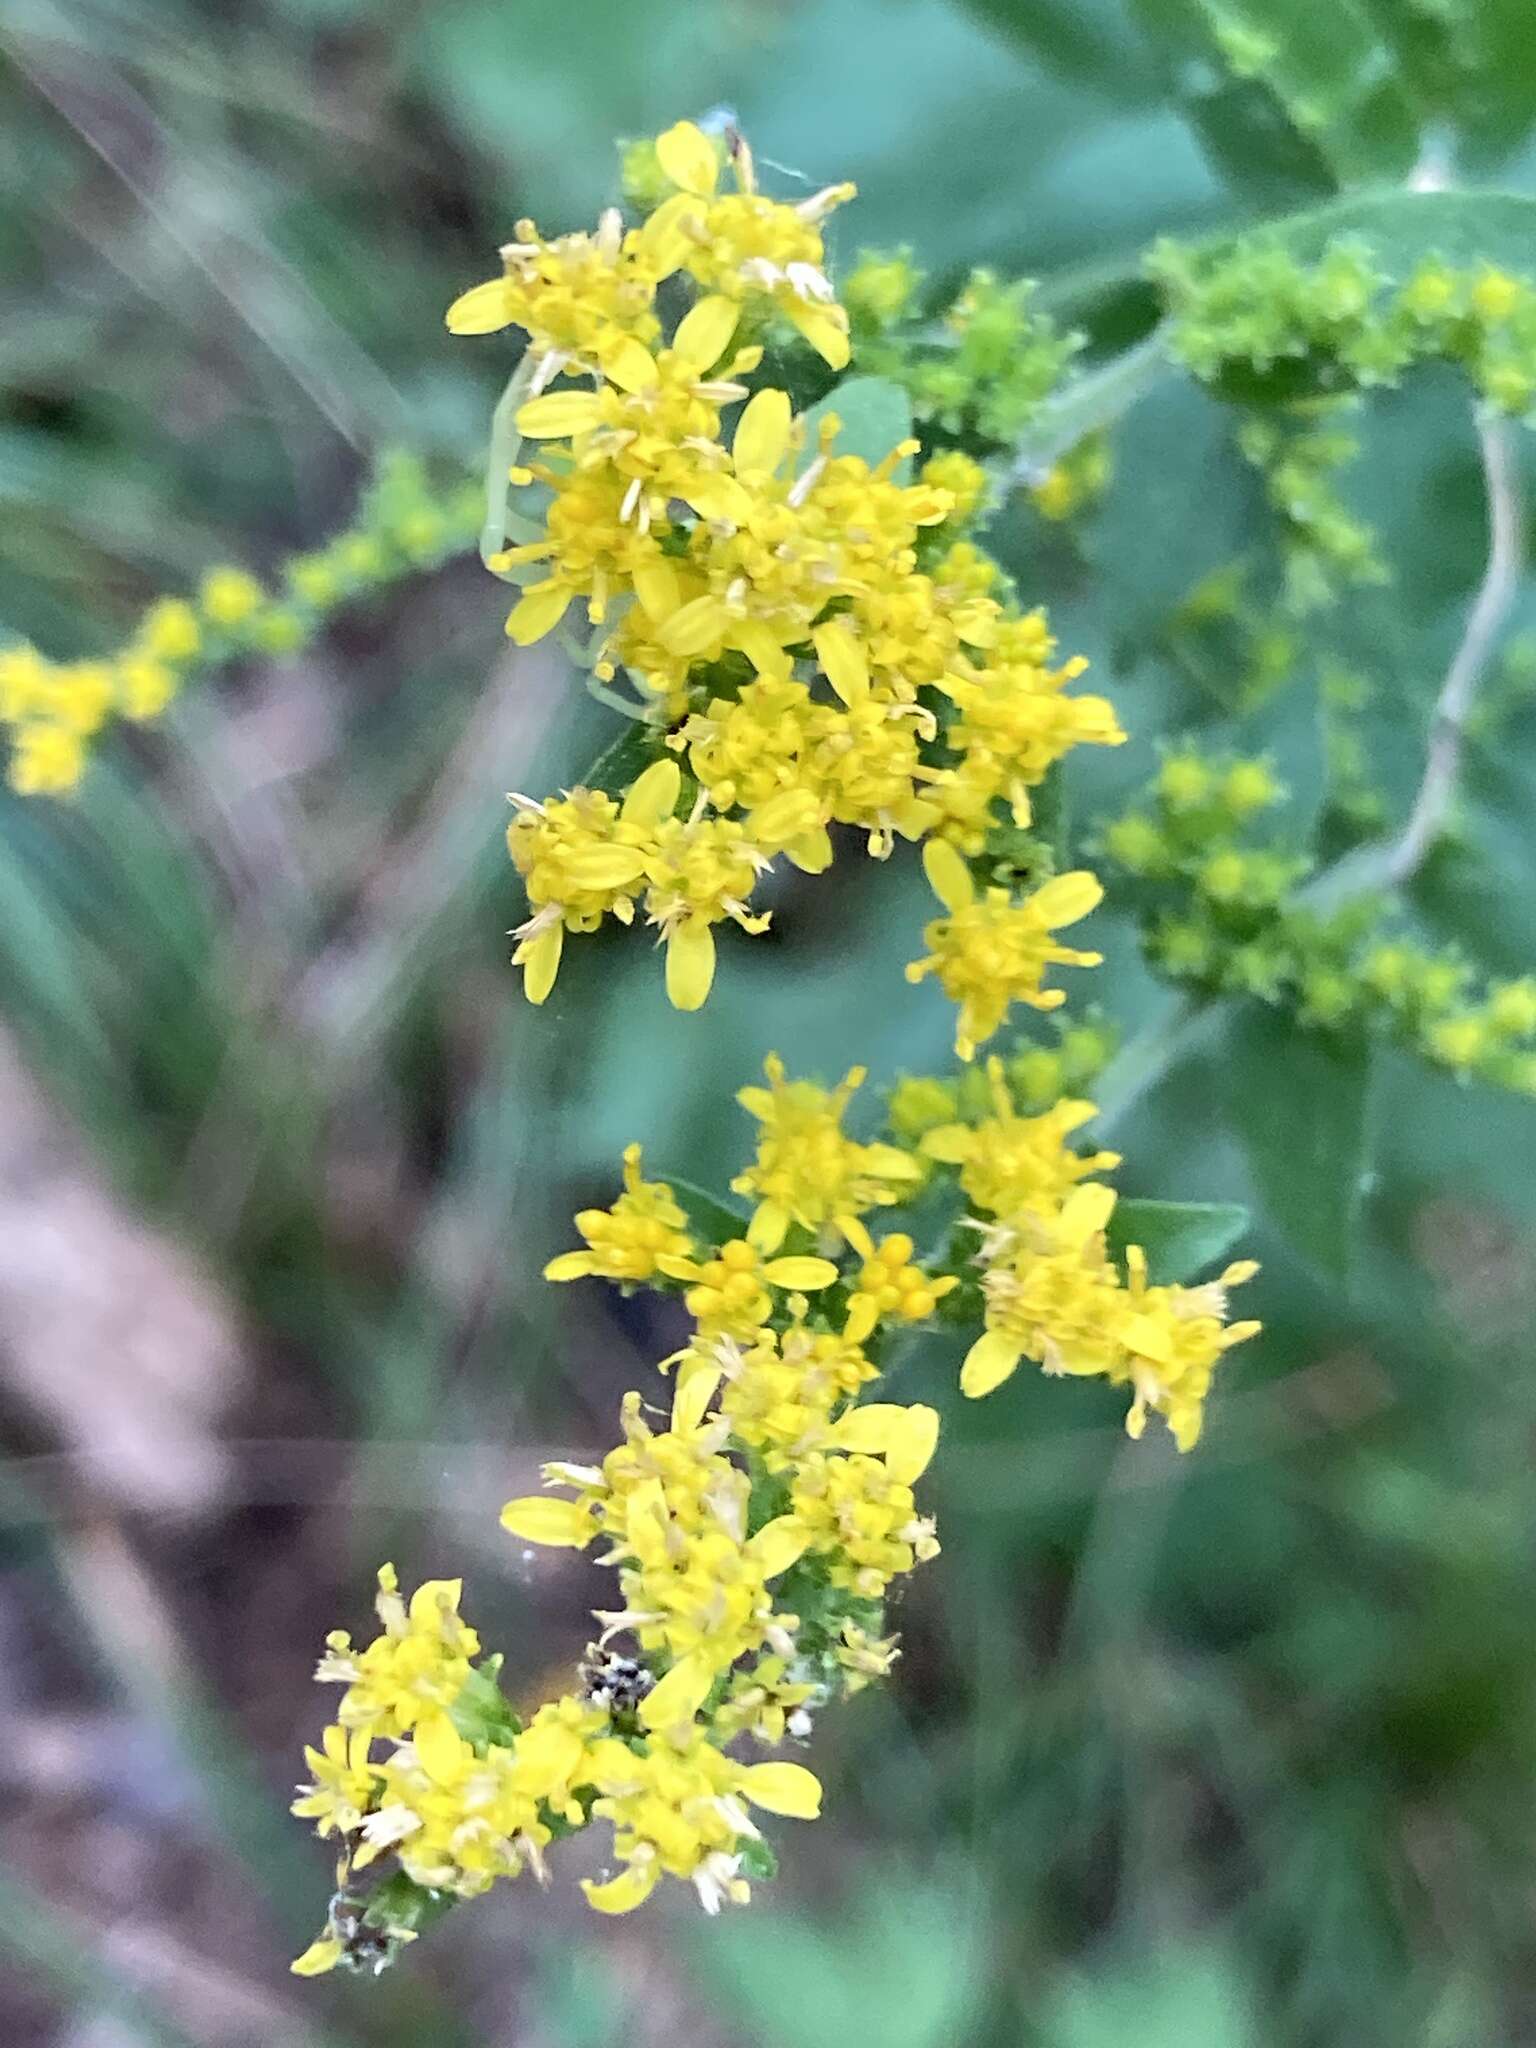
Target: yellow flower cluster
[
  {"x": 756, "y": 1531},
  {"x": 992, "y": 949},
  {"x": 54, "y": 710},
  {"x": 804, "y": 630},
  {"x": 770, "y": 1473},
  {"x": 808, "y": 1171},
  {"x": 1053, "y": 1293},
  {"x": 814, "y": 644},
  {"x": 586, "y": 302}
]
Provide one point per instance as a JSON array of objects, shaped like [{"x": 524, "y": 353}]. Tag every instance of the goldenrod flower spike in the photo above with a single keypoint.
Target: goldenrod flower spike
[
  {"x": 55, "y": 711},
  {"x": 764, "y": 599},
  {"x": 709, "y": 1600},
  {"x": 741, "y": 543}
]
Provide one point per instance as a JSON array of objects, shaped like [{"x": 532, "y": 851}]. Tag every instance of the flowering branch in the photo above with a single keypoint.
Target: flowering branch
[{"x": 822, "y": 647}]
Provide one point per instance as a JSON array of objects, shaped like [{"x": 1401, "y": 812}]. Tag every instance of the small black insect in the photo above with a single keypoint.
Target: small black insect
[{"x": 613, "y": 1681}]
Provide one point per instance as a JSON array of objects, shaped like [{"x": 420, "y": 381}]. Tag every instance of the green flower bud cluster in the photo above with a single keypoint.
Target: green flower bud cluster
[
  {"x": 1038, "y": 1075},
  {"x": 1298, "y": 452},
  {"x": 980, "y": 371},
  {"x": 1342, "y": 323},
  {"x": 1186, "y": 829},
  {"x": 881, "y": 292},
  {"x": 405, "y": 523},
  {"x": 1295, "y": 344},
  {"x": 1228, "y": 917}
]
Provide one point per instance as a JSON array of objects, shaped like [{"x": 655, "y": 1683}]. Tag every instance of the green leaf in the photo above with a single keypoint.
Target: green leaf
[
  {"x": 1324, "y": 74},
  {"x": 1180, "y": 1239},
  {"x": 1300, "y": 1106},
  {"x": 874, "y": 415},
  {"x": 617, "y": 766},
  {"x": 1063, "y": 38},
  {"x": 854, "y": 1972},
  {"x": 1163, "y": 2000},
  {"x": 1404, "y": 227},
  {"x": 709, "y": 1218},
  {"x": 579, "y": 1995},
  {"x": 1467, "y": 65},
  {"x": 482, "y": 1712}
]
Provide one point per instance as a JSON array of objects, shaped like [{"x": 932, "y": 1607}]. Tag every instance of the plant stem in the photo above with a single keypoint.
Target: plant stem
[
  {"x": 500, "y": 456},
  {"x": 1092, "y": 402},
  {"x": 1485, "y": 621},
  {"x": 1394, "y": 862}
]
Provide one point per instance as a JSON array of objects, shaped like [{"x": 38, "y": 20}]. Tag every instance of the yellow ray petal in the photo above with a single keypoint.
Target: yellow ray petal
[
  {"x": 482, "y": 309},
  {"x": 320, "y": 1956},
  {"x": 948, "y": 875},
  {"x": 564, "y": 1524},
  {"x": 762, "y": 432},
  {"x": 825, "y": 328},
  {"x": 719, "y": 497},
  {"x": 842, "y": 656},
  {"x": 784, "y": 1788},
  {"x": 559, "y": 413},
  {"x": 778, "y": 1544},
  {"x": 696, "y": 628},
  {"x": 537, "y": 612},
  {"x": 992, "y": 1359},
  {"x": 1085, "y": 1212},
  {"x": 689, "y": 159},
  {"x": 678, "y": 1696},
  {"x": 769, "y": 1226},
  {"x": 430, "y": 1598},
  {"x": 905, "y": 1436},
  {"x": 704, "y": 335},
  {"x": 653, "y": 795},
  {"x": 657, "y": 588},
  {"x": 627, "y": 362},
  {"x": 440, "y": 1749},
  {"x": 540, "y": 961},
  {"x": 671, "y": 234},
  {"x": 621, "y": 1894},
  {"x": 690, "y": 963},
  {"x": 696, "y": 1384},
  {"x": 570, "y": 1266},
  {"x": 1146, "y": 1336},
  {"x": 806, "y": 1276},
  {"x": 1066, "y": 898},
  {"x": 812, "y": 851},
  {"x": 607, "y": 867}
]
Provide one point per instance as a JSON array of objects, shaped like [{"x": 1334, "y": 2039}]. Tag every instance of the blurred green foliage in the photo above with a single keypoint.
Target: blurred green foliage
[{"x": 1237, "y": 1750}]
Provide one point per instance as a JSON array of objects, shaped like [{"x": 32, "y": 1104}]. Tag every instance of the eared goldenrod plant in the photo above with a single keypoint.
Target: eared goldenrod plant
[
  {"x": 746, "y": 496},
  {"x": 804, "y": 638}
]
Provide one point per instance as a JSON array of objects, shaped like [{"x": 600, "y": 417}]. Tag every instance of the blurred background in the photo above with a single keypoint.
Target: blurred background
[{"x": 1233, "y": 1750}]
